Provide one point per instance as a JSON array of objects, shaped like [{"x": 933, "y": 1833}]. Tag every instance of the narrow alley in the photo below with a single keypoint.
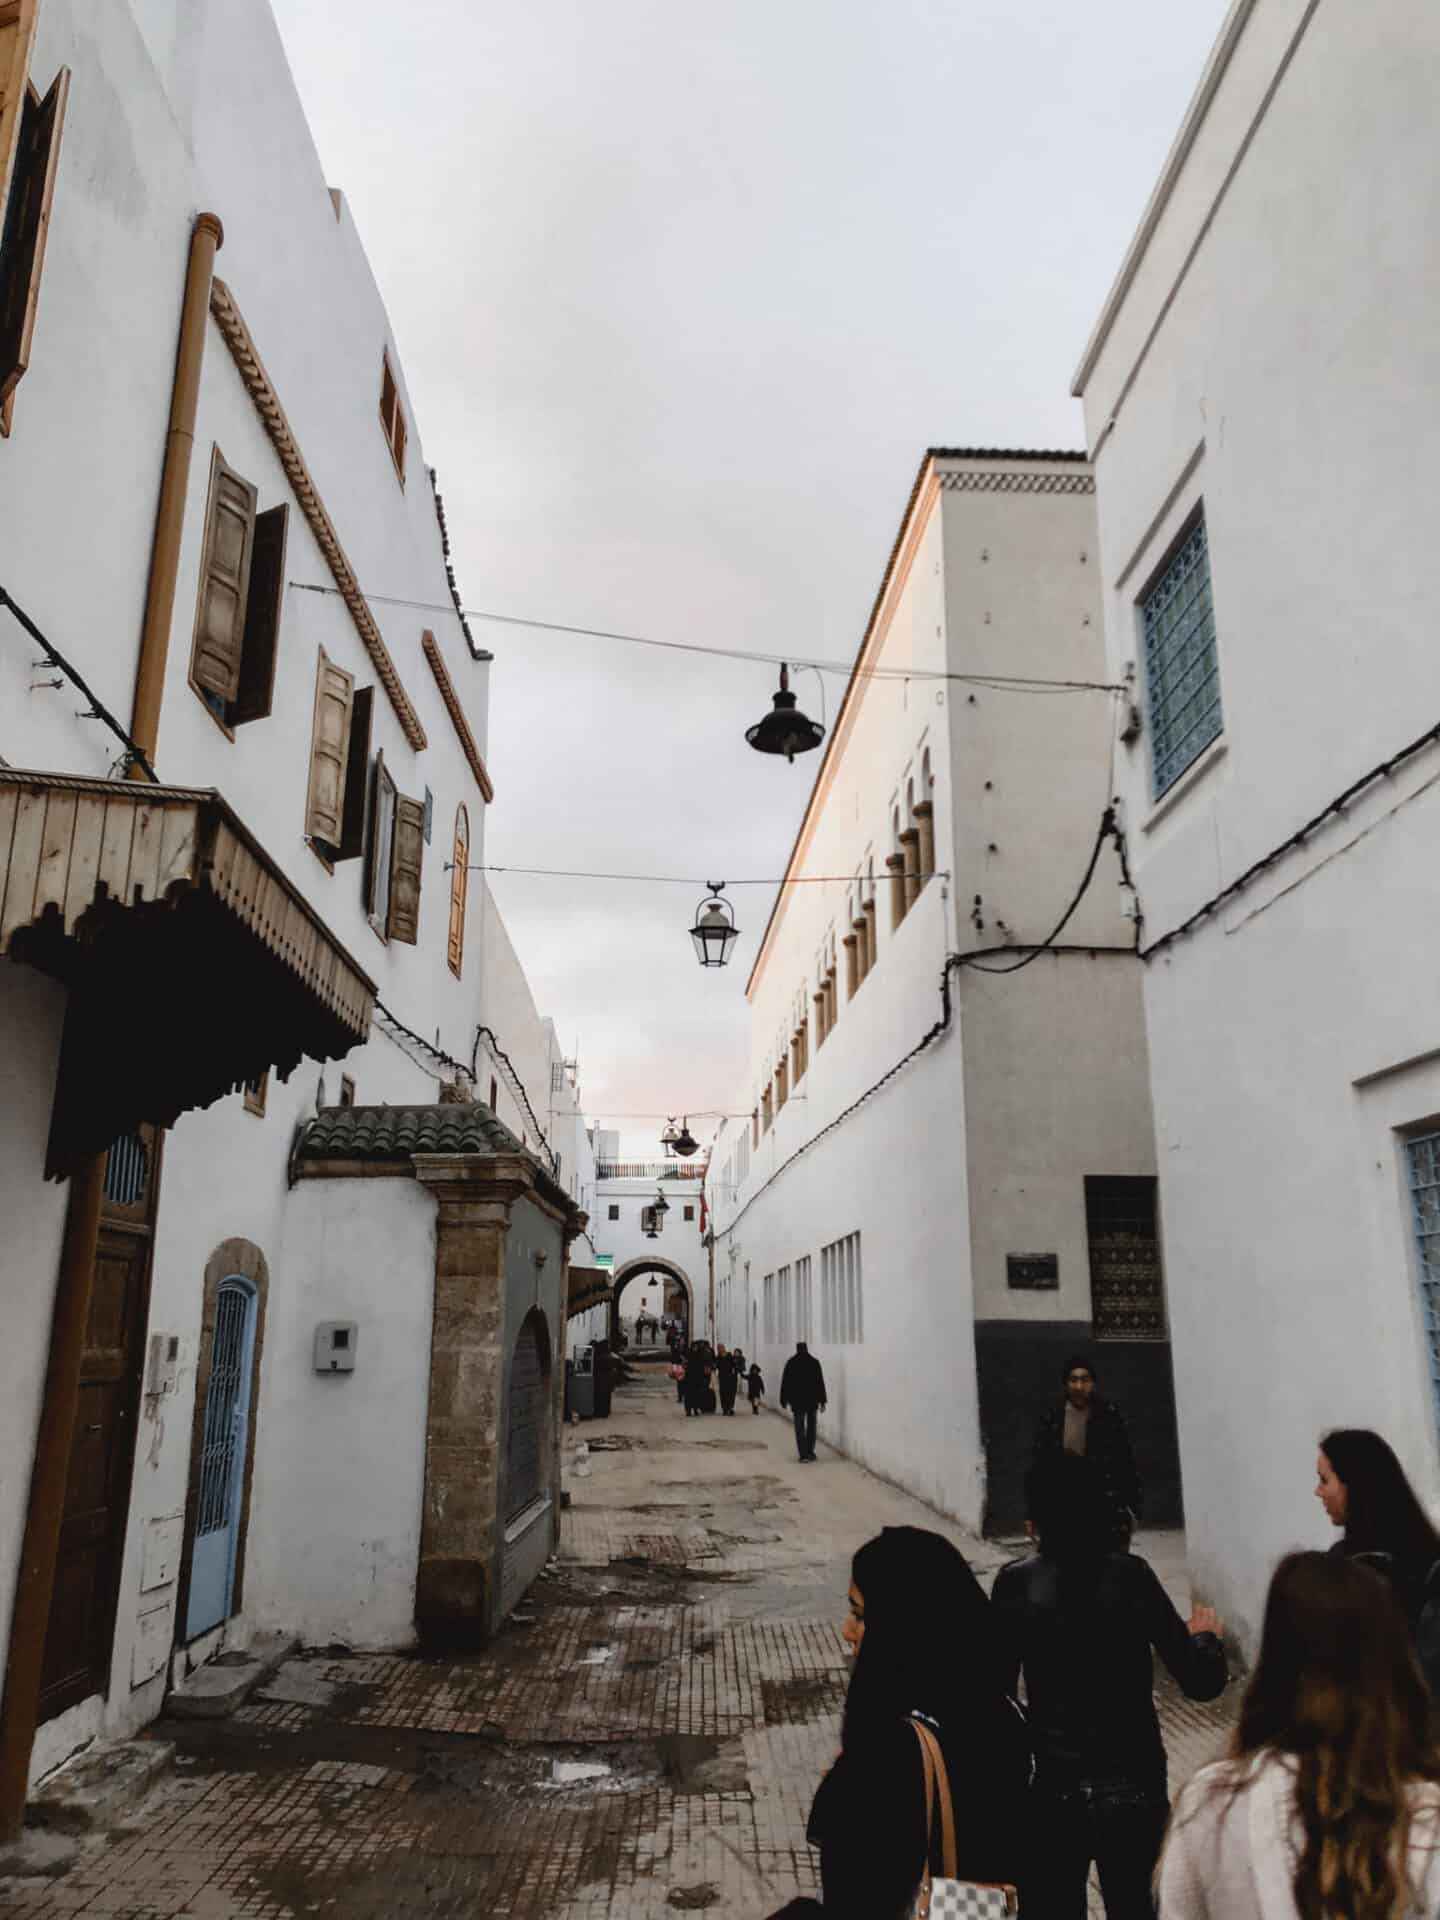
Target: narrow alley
[{"x": 643, "y": 1738}]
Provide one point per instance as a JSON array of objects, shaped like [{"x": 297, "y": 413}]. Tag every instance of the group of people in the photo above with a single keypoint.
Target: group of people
[
  {"x": 1326, "y": 1806},
  {"x": 706, "y": 1377},
  {"x": 649, "y": 1324}
]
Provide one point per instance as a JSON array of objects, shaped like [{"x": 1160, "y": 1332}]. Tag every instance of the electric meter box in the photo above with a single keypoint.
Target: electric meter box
[{"x": 335, "y": 1342}]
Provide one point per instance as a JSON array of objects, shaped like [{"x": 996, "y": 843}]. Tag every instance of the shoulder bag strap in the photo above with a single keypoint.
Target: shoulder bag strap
[
  {"x": 938, "y": 1779},
  {"x": 922, "y": 1904}
]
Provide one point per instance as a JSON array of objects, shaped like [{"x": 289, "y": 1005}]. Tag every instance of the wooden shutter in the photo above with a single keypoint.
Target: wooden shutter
[
  {"x": 407, "y": 849},
  {"x": 377, "y": 861},
  {"x": 17, "y": 36},
  {"x": 256, "y": 693},
  {"x": 224, "y": 581},
  {"x": 27, "y": 222},
  {"x": 459, "y": 880},
  {"x": 357, "y": 778},
  {"x": 329, "y": 748}
]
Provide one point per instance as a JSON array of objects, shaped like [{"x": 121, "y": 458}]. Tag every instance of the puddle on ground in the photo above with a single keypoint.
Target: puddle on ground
[
  {"x": 596, "y": 1657},
  {"x": 569, "y": 1773}
]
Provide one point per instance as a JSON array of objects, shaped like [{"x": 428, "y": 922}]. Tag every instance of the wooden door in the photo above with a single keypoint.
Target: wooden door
[
  {"x": 525, "y": 1443},
  {"x": 102, "y": 1449}
]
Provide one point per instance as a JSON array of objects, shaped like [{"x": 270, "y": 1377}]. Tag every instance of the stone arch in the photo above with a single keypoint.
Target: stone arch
[
  {"x": 237, "y": 1259},
  {"x": 633, "y": 1270}
]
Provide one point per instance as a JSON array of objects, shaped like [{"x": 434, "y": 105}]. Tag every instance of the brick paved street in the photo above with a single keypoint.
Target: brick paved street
[{"x": 644, "y": 1739}]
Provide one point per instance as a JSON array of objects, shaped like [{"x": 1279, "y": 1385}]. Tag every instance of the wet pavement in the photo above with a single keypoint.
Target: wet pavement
[{"x": 642, "y": 1739}]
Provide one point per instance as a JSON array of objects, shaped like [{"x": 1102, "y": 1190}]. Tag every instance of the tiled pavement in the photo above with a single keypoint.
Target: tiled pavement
[{"x": 644, "y": 1740}]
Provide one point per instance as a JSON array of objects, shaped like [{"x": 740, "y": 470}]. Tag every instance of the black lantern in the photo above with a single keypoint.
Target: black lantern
[
  {"x": 785, "y": 729},
  {"x": 662, "y": 1205},
  {"x": 685, "y": 1142},
  {"x": 714, "y": 933}
]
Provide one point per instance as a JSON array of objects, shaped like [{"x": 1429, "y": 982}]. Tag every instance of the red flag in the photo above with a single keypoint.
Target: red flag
[{"x": 702, "y": 1213}]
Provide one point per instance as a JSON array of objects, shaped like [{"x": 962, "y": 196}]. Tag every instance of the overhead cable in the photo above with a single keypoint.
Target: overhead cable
[
  {"x": 683, "y": 880},
  {"x": 470, "y": 1072},
  {"x": 134, "y": 755}
]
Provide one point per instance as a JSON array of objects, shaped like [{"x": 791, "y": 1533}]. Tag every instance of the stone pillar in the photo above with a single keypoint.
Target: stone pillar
[
  {"x": 895, "y": 866},
  {"x": 455, "y": 1594},
  {"x": 910, "y": 855},
  {"x": 925, "y": 821}
]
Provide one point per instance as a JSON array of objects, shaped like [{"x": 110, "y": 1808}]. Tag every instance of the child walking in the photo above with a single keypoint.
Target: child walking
[{"x": 755, "y": 1386}]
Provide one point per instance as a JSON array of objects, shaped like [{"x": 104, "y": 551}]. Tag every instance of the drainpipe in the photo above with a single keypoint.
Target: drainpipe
[{"x": 206, "y": 238}]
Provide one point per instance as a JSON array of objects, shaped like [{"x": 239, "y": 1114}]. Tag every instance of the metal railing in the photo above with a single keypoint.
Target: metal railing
[{"x": 650, "y": 1170}]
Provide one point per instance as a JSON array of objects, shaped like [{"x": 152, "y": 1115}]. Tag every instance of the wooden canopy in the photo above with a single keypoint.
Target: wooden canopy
[
  {"x": 193, "y": 964},
  {"x": 588, "y": 1287}
]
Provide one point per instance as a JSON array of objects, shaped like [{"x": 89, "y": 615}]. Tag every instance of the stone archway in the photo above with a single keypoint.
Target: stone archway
[{"x": 638, "y": 1269}]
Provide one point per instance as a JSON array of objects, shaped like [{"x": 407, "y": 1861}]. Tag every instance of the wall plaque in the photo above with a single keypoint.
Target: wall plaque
[{"x": 1032, "y": 1270}]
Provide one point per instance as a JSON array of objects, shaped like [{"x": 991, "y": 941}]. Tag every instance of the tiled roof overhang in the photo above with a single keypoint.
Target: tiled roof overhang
[
  {"x": 349, "y": 1140},
  {"x": 193, "y": 964}
]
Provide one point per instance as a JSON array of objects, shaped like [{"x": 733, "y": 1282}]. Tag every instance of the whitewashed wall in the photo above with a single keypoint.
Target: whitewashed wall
[{"x": 1284, "y": 376}]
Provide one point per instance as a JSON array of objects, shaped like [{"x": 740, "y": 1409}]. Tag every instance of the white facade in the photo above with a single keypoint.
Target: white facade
[
  {"x": 624, "y": 1193},
  {"x": 175, "y": 108},
  {"x": 885, "y": 1244},
  {"x": 1269, "y": 358}
]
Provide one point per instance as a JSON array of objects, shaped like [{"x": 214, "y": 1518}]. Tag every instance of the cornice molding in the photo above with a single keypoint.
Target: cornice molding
[
  {"x": 432, "y": 653},
  {"x": 259, "y": 386}
]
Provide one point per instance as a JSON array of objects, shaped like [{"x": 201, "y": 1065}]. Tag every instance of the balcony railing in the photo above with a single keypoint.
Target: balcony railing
[{"x": 650, "y": 1170}]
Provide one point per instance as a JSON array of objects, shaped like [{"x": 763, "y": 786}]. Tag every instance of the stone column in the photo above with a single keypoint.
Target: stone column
[
  {"x": 910, "y": 854},
  {"x": 455, "y": 1585}
]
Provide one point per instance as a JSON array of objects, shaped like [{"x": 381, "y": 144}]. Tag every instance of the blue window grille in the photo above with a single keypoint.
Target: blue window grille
[
  {"x": 1182, "y": 674},
  {"x": 1423, "y": 1155}
]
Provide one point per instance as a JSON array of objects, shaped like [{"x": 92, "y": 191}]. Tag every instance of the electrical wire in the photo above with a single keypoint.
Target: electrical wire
[
  {"x": 683, "y": 880},
  {"x": 134, "y": 755},
  {"x": 996, "y": 682},
  {"x": 1108, "y": 829},
  {"x": 470, "y": 1072}
]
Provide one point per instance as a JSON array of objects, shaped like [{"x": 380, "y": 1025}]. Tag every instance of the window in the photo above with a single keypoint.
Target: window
[
  {"x": 459, "y": 879},
  {"x": 742, "y": 1157},
  {"x": 30, "y": 131},
  {"x": 1182, "y": 672},
  {"x": 924, "y": 818},
  {"x": 783, "y": 1321},
  {"x": 804, "y": 1301},
  {"x": 767, "y": 1287},
  {"x": 392, "y": 417},
  {"x": 689, "y": 1213},
  {"x": 339, "y": 763},
  {"x": 255, "y": 1092},
  {"x": 347, "y": 1090},
  {"x": 842, "y": 1313},
  {"x": 782, "y": 1085},
  {"x": 237, "y": 610},
  {"x": 494, "y": 1096},
  {"x": 613, "y": 1212},
  {"x": 1423, "y": 1162},
  {"x": 767, "y": 1110},
  {"x": 397, "y": 839},
  {"x": 755, "y": 1126},
  {"x": 1127, "y": 1300}
]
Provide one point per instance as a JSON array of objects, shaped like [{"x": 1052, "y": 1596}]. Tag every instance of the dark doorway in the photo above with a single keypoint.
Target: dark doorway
[
  {"x": 81, "y": 1628},
  {"x": 525, "y": 1451}
]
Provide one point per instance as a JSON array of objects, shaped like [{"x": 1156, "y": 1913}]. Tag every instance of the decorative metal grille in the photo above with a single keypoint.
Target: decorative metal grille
[
  {"x": 224, "y": 1416},
  {"x": 1181, "y": 670},
  {"x": 1424, "y": 1159},
  {"x": 127, "y": 1167},
  {"x": 1127, "y": 1295}
]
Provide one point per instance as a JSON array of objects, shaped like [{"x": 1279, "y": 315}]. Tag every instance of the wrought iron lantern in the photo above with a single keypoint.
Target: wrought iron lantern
[
  {"x": 714, "y": 932},
  {"x": 685, "y": 1142},
  {"x": 662, "y": 1205},
  {"x": 670, "y": 1134},
  {"x": 785, "y": 729}
]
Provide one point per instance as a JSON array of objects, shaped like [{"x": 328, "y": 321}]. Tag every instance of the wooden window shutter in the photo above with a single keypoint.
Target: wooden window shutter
[
  {"x": 256, "y": 693},
  {"x": 224, "y": 581},
  {"x": 27, "y": 222},
  {"x": 459, "y": 881},
  {"x": 407, "y": 850},
  {"x": 377, "y": 860},
  {"x": 329, "y": 751},
  {"x": 17, "y": 37},
  {"x": 357, "y": 778}
]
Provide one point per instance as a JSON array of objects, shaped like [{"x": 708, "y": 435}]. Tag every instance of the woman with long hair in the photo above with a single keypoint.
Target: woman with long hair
[
  {"x": 924, "y": 1645},
  {"x": 1363, "y": 1489},
  {"x": 1328, "y": 1805},
  {"x": 1081, "y": 1620}
]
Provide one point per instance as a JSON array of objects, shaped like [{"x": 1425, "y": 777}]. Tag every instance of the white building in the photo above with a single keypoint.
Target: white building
[
  {"x": 657, "y": 1257},
  {"x": 1260, "y": 398},
  {"x": 944, "y": 1244},
  {"x": 313, "y": 941}
]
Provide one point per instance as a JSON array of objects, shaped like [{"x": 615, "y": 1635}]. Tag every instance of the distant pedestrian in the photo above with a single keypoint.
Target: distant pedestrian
[
  {"x": 1328, "y": 1805},
  {"x": 696, "y": 1382},
  {"x": 755, "y": 1385},
  {"x": 928, "y": 1668},
  {"x": 802, "y": 1393},
  {"x": 1363, "y": 1488},
  {"x": 677, "y": 1374},
  {"x": 1080, "y": 1620},
  {"x": 1087, "y": 1425},
  {"x": 727, "y": 1379}
]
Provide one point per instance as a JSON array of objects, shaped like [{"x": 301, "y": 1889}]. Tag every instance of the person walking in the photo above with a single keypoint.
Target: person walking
[
  {"x": 677, "y": 1374},
  {"x": 1363, "y": 1489},
  {"x": 1093, "y": 1428},
  {"x": 802, "y": 1394},
  {"x": 696, "y": 1381},
  {"x": 755, "y": 1385},
  {"x": 727, "y": 1379},
  {"x": 1080, "y": 1619},
  {"x": 1328, "y": 1803},
  {"x": 927, "y": 1659}
]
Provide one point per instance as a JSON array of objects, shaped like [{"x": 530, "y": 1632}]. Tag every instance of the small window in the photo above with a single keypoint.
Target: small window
[
  {"x": 495, "y": 1095},
  {"x": 613, "y": 1211},
  {"x": 255, "y": 1092},
  {"x": 242, "y": 590},
  {"x": 1182, "y": 669},
  {"x": 392, "y": 417},
  {"x": 30, "y": 130},
  {"x": 689, "y": 1213},
  {"x": 347, "y": 1090}
]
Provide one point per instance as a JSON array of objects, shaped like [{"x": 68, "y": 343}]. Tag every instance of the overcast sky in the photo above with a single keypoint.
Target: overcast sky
[{"x": 682, "y": 294}]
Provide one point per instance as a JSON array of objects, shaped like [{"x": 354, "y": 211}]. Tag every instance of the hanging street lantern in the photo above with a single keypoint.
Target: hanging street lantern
[
  {"x": 686, "y": 1143},
  {"x": 714, "y": 934},
  {"x": 785, "y": 729},
  {"x": 670, "y": 1135},
  {"x": 662, "y": 1205}
]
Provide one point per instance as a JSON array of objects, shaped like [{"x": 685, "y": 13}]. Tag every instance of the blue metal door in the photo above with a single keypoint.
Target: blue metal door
[{"x": 222, "y": 1459}]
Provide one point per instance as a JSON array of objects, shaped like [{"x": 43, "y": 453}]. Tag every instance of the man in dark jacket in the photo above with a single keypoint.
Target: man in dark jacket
[
  {"x": 1093, "y": 1429},
  {"x": 802, "y": 1392}
]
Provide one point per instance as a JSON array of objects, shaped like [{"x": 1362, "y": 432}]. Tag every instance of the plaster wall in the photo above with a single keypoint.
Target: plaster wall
[
  {"x": 534, "y": 1284},
  {"x": 1292, "y": 1033}
]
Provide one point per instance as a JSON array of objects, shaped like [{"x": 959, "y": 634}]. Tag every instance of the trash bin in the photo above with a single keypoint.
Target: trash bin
[{"x": 582, "y": 1386}]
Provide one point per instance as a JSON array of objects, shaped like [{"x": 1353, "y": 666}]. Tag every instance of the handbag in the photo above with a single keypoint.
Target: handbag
[{"x": 943, "y": 1896}]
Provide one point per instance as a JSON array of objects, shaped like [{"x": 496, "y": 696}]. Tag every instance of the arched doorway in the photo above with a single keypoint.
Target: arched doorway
[
  {"x": 676, "y": 1282},
  {"x": 527, "y": 1429}
]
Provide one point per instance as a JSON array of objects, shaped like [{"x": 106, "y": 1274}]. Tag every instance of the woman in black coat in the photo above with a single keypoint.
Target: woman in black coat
[
  {"x": 1363, "y": 1488},
  {"x": 925, "y": 1647}
]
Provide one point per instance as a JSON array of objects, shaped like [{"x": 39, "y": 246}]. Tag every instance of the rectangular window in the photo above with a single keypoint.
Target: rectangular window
[
  {"x": 804, "y": 1302},
  {"x": 1423, "y": 1164},
  {"x": 689, "y": 1213},
  {"x": 613, "y": 1211},
  {"x": 347, "y": 1091},
  {"x": 382, "y": 833},
  {"x": 392, "y": 417},
  {"x": 842, "y": 1312},
  {"x": 30, "y": 130},
  {"x": 766, "y": 1110},
  {"x": 242, "y": 590},
  {"x": 1182, "y": 672},
  {"x": 767, "y": 1288},
  {"x": 782, "y": 1306},
  {"x": 255, "y": 1092},
  {"x": 1127, "y": 1296}
]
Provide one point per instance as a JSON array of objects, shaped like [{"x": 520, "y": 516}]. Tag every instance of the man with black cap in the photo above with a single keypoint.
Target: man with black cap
[
  {"x": 1094, "y": 1429},
  {"x": 802, "y": 1391}
]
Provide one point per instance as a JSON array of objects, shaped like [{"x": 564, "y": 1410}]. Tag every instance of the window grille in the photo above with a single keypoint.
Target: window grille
[
  {"x": 1182, "y": 673},
  {"x": 1127, "y": 1295},
  {"x": 842, "y": 1308},
  {"x": 127, "y": 1167},
  {"x": 1423, "y": 1156}
]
